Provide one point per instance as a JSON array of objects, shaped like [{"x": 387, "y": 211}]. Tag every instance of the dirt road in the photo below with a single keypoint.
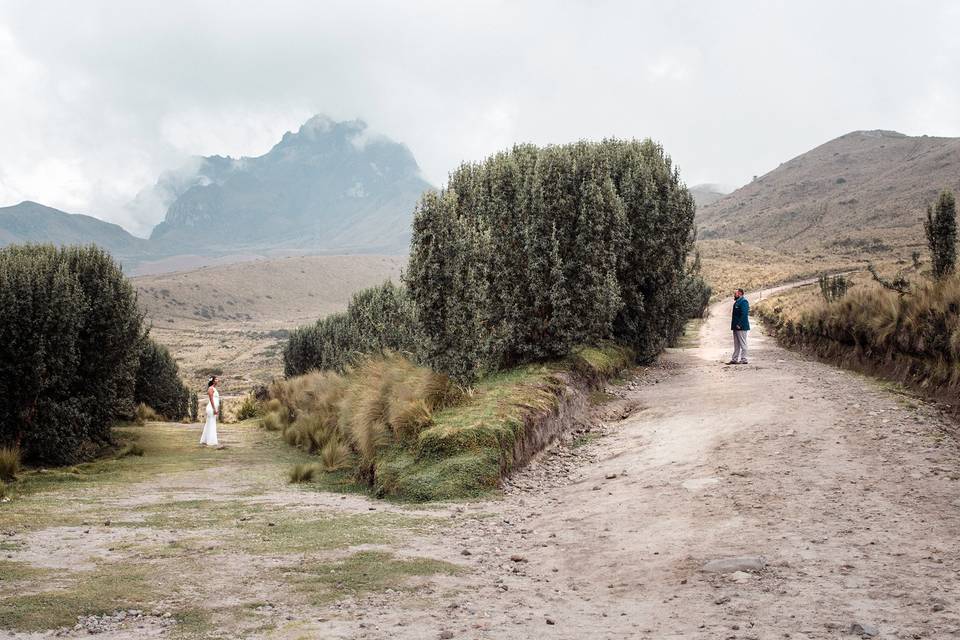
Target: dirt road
[
  {"x": 849, "y": 492},
  {"x": 846, "y": 492}
]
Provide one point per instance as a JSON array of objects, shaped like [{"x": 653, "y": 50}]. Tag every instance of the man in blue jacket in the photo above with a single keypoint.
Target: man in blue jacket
[{"x": 740, "y": 325}]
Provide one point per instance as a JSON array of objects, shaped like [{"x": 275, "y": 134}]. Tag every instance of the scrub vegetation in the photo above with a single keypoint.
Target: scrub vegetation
[
  {"x": 536, "y": 274},
  {"x": 904, "y": 326}
]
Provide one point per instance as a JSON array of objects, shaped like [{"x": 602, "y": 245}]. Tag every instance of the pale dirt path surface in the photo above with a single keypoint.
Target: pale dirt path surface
[{"x": 848, "y": 490}]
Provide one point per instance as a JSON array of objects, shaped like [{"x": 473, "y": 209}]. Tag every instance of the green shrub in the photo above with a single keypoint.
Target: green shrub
[
  {"x": 249, "y": 408},
  {"x": 9, "y": 463},
  {"x": 194, "y": 407},
  {"x": 70, "y": 337},
  {"x": 833, "y": 288},
  {"x": 377, "y": 319},
  {"x": 158, "y": 382}
]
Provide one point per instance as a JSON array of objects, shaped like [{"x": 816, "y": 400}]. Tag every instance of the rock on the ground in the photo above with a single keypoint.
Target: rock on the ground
[
  {"x": 730, "y": 565},
  {"x": 864, "y": 630}
]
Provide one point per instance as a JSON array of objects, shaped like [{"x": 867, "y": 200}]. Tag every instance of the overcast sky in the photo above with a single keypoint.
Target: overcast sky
[{"x": 97, "y": 98}]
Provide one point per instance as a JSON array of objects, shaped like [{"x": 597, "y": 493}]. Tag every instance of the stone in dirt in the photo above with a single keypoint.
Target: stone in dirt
[
  {"x": 864, "y": 630},
  {"x": 730, "y": 565}
]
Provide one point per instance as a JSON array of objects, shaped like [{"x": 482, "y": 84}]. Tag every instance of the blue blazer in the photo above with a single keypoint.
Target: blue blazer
[{"x": 741, "y": 315}]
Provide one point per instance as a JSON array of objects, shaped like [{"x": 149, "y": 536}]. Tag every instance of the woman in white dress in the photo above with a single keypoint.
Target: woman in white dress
[{"x": 209, "y": 436}]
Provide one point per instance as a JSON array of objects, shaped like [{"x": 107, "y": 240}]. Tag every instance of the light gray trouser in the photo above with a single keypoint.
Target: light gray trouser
[{"x": 739, "y": 346}]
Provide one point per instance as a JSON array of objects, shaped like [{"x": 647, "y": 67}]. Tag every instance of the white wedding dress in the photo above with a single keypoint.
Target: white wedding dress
[{"x": 209, "y": 436}]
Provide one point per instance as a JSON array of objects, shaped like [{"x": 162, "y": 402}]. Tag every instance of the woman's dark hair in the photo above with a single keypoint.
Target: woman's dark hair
[{"x": 211, "y": 381}]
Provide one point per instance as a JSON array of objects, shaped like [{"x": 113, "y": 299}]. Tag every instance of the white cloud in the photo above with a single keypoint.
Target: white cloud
[{"x": 100, "y": 97}]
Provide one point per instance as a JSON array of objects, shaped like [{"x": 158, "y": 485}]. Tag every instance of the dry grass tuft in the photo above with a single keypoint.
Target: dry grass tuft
[
  {"x": 144, "y": 414},
  {"x": 335, "y": 456},
  {"x": 131, "y": 449},
  {"x": 302, "y": 473},
  {"x": 9, "y": 463},
  {"x": 349, "y": 418},
  {"x": 272, "y": 421}
]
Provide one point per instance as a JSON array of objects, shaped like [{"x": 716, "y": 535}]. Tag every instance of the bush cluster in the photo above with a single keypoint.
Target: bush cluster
[
  {"x": 537, "y": 250},
  {"x": 158, "y": 382},
  {"x": 525, "y": 256},
  {"x": 71, "y": 339},
  {"x": 377, "y": 319}
]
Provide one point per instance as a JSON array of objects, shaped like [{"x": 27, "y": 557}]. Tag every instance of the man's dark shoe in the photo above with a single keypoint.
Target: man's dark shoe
[
  {"x": 743, "y": 362},
  {"x": 733, "y": 362}
]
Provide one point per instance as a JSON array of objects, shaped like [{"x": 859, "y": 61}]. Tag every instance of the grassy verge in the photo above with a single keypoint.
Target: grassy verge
[
  {"x": 912, "y": 338},
  {"x": 419, "y": 451}
]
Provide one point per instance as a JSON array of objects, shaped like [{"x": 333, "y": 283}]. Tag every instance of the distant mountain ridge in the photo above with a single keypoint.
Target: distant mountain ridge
[
  {"x": 863, "y": 191},
  {"x": 330, "y": 187},
  {"x": 33, "y": 222},
  {"x": 704, "y": 194}
]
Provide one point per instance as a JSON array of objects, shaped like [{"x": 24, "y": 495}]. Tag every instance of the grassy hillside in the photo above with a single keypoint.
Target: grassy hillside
[
  {"x": 29, "y": 222},
  {"x": 863, "y": 193},
  {"x": 855, "y": 200},
  {"x": 234, "y": 317}
]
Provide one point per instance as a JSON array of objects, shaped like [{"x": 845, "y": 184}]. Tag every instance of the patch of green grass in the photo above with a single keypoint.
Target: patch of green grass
[
  {"x": 101, "y": 591},
  {"x": 468, "y": 447},
  {"x": 326, "y": 532},
  {"x": 463, "y": 453},
  {"x": 601, "y": 362},
  {"x": 193, "y": 514},
  {"x": 192, "y": 623},
  {"x": 361, "y": 573},
  {"x": 167, "y": 448},
  {"x": 11, "y": 570},
  {"x": 468, "y": 475}
]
